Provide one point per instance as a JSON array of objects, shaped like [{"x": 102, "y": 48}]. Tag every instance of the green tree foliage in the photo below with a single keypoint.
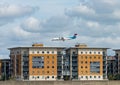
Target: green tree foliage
[{"x": 114, "y": 77}]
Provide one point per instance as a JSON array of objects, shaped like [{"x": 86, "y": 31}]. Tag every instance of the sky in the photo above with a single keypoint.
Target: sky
[{"x": 24, "y": 22}]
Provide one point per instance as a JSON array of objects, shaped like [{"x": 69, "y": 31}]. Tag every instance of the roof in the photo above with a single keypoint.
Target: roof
[
  {"x": 89, "y": 48},
  {"x": 36, "y": 47},
  {"x": 116, "y": 49}
]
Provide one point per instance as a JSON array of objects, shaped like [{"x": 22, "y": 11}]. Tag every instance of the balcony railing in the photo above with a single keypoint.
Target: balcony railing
[
  {"x": 75, "y": 73},
  {"x": 74, "y": 64},
  {"x": 66, "y": 73},
  {"x": 25, "y": 69}
]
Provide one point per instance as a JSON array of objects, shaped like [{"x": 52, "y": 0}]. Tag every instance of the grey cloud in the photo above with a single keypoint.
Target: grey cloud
[
  {"x": 57, "y": 23},
  {"x": 32, "y": 25},
  {"x": 100, "y": 11},
  {"x": 9, "y": 13},
  {"x": 53, "y": 24}
]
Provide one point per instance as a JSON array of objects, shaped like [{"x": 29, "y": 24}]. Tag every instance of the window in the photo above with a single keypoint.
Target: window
[
  {"x": 81, "y": 76},
  {"x": 86, "y": 57},
  {"x": 86, "y": 62},
  {"x": 90, "y": 52},
  {"x": 52, "y": 66},
  {"x": 37, "y": 61},
  {"x": 33, "y": 52},
  {"x": 99, "y": 57},
  {"x": 85, "y": 66},
  {"x": 94, "y": 76},
  {"x": 42, "y": 52},
  {"x": 48, "y": 77},
  {"x": 52, "y": 57},
  {"x": 47, "y": 56},
  {"x": 52, "y": 52},
  {"x": 32, "y": 76},
  {"x": 98, "y": 76},
  {"x": 95, "y": 67},
  {"x": 17, "y": 52},
  {"x": 90, "y": 76},
  {"x": 81, "y": 66},
  {"x": 52, "y": 62},
  {"x": 81, "y": 61},
  {"x": 81, "y": 52},
  {"x": 98, "y": 52},
  {"x": 47, "y": 66},
  {"x": 94, "y": 52},
  {"x": 90, "y": 57},
  {"x": 48, "y": 52},
  {"x": 52, "y": 76},
  {"x": 37, "y": 51},
  {"x": 94, "y": 57},
  {"x": 47, "y": 71},
  {"x": 38, "y": 77},
  {"x": 85, "y": 52}
]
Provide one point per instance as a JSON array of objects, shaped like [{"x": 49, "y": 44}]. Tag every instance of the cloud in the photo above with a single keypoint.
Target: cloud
[
  {"x": 105, "y": 12},
  {"x": 32, "y": 25},
  {"x": 57, "y": 23},
  {"x": 53, "y": 24},
  {"x": 9, "y": 13}
]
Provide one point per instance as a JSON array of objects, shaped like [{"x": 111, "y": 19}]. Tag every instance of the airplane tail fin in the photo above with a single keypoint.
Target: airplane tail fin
[{"x": 75, "y": 35}]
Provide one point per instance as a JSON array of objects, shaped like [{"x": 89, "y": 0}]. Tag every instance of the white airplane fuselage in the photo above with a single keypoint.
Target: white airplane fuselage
[{"x": 64, "y": 38}]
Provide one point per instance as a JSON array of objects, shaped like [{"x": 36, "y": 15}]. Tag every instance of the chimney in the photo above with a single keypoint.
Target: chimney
[
  {"x": 81, "y": 45},
  {"x": 37, "y": 45}
]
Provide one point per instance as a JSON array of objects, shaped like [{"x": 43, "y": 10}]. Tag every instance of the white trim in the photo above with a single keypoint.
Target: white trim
[
  {"x": 44, "y": 77},
  {"x": 91, "y": 77}
]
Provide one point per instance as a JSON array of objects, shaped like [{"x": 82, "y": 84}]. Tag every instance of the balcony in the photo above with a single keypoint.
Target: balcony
[
  {"x": 25, "y": 64},
  {"x": 75, "y": 55},
  {"x": 74, "y": 64},
  {"x": 74, "y": 73},
  {"x": 75, "y": 69},
  {"x": 59, "y": 64},
  {"x": 66, "y": 73},
  {"x": 25, "y": 55},
  {"x": 59, "y": 69},
  {"x": 25, "y": 69},
  {"x": 25, "y": 59},
  {"x": 25, "y": 74}
]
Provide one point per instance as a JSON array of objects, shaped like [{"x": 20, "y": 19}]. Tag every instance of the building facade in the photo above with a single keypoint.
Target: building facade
[
  {"x": 53, "y": 63},
  {"x": 34, "y": 63},
  {"x": 112, "y": 65},
  {"x": 5, "y": 69},
  {"x": 117, "y": 57},
  {"x": 87, "y": 63}
]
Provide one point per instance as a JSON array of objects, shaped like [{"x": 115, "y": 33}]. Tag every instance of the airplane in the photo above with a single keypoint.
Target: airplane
[{"x": 64, "y": 38}]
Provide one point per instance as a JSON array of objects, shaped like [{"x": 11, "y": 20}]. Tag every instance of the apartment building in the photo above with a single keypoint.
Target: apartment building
[
  {"x": 117, "y": 56},
  {"x": 34, "y": 63},
  {"x": 87, "y": 63},
  {"x": 53, "y": 63},
  {"x": 5, "y": 69},
  {"x": 112, "y": 65}
]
